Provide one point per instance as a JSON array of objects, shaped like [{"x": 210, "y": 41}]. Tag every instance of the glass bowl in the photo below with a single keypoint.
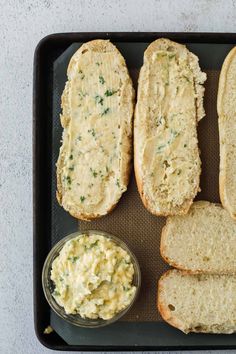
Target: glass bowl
[{"x": 48, "y": 284}]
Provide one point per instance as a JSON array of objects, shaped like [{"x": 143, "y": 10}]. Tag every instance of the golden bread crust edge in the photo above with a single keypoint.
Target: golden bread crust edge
[
  {"x": 165, "y": 313},
  {"x": 220, "y": 94}
]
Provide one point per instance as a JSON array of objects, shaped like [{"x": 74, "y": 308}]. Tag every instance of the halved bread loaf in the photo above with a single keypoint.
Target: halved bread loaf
[
  {"x": 169, "y": 105},
  {"x": 198, "y": 303},
  {"x": 226, "y": 107},
  {"x": 94, "y": 161},
  {"x": 204, "y": 240}
]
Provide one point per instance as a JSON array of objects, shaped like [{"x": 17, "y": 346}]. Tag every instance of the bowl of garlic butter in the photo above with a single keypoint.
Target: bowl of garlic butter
[{"x": 91, "y": 278}]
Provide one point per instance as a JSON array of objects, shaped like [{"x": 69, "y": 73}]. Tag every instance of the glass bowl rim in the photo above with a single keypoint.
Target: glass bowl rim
[{"x": 87, "y": 323}]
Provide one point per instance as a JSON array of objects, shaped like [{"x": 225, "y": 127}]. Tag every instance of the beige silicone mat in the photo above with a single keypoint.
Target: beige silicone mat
[{"x": 141, "y": 231}]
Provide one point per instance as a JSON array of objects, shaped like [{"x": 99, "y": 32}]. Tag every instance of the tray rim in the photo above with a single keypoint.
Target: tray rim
[{"x": 69, "y": 38}]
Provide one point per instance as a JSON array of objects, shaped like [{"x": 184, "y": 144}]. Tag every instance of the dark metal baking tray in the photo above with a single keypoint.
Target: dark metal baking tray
[{"x": 51, "y": 222}]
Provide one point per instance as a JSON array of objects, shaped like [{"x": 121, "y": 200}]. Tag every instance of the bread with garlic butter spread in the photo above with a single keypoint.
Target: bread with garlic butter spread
[
  {"x": 97, "y": 108},
  {"x": 169, "y": 106}
]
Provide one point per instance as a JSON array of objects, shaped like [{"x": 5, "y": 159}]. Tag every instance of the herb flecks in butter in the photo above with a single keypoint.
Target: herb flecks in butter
[
  {"x": 73, "y": 259},
  {"x": 68, "y": 178},
  {"x": 99, "y": 99},
  {"x": 105, "y": 111},
  {"x": 109, "y": 93},
  {"x": 94, "y": 173},
  {"x": 82, "y": 198},
  {"x": 82, "y": 76},
  {"x": 101, "y": 80}
]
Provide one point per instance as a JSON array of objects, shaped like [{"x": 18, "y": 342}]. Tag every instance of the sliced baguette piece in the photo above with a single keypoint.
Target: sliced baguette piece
[
  {"x": 198, "y": 303},
  {"x": 169, "y": 105},
  {"x": 226, "y": 107},
  {"x": 204, "y": 240},
  {"x": 97, "y": 108}
]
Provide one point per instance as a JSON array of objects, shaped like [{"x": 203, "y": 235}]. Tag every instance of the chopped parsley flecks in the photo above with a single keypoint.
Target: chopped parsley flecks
[
  {"x": 179, "y": 172},
  {"x": 94, "y": 244},
  {"x": 94, "y": 173},
  {"x": 92, "y": 131},
  {"x": 98, "y": 64},
  {"x": 105, "y": 111},
  {"x": 99, "y": 99},
  {"x": 71, "y": 157},
  {"x": 118, "y": 182},
  {"x": 107, "y": 169},
  {"x": 82, "y": 94},
  {"x": 82, "y": 76},
  {"x": 71, "y": 168},
  {"x": 185, "y": 145},
  {"x": 56, "y": 293},
  {"x": 79, "y": 138},
  {"x": 171, "y": 56},
  {"x": 109, "y": 93},
  {"x": 160, "y": 148},
  {"x": 82, "y": 198},
  {"x": 101, "y": 80},
  {"x": 68, "y": 178},
  {"x": 73, "y": 259},
  {"x": 90, "y": 185}
]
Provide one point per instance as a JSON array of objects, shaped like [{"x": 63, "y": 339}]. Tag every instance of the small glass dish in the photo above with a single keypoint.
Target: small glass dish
[{"x": 48, "y": 285}]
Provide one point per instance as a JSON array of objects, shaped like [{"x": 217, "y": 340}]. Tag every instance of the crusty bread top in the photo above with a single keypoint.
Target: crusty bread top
[
  {"x": 204, "y": 240},
  {"x": 198, "y": 303},
  {"x": 226, "y": 107},
  {"x": 94, "y": 160},
  {"x": 169, "y": 104}
]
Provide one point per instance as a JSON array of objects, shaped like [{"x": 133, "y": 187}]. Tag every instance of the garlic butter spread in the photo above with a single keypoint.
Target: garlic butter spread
[
  {"x": 97, "y": 118},
  {"x": 167, "y": 129},
  {"x": 93, "y": 277}
]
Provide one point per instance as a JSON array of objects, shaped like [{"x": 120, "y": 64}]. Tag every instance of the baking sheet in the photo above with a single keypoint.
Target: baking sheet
[{"x": 131, "y": 221}]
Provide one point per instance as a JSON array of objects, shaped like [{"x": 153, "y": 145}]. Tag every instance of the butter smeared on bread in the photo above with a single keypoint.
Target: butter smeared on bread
[
  {"x": 169, "y": 105},
  {"x": 226, "y": 107},
  {"x": 204, "y": 240},
  {"x": 94, "y": 161},
  {"x": 198, "y": 303}
]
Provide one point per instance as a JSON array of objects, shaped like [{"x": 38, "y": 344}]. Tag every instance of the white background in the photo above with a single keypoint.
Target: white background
[{"x": 22, "y": 24}]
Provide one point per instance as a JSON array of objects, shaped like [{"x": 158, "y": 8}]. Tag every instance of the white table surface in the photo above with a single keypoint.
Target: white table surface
[{"x": 22, "y": 24}]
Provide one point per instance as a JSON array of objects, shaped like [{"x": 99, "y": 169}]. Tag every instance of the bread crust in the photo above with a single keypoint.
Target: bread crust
[
  {"x": 222, "y": 175},
  {"x": 163, "y": 44},
  {"x": 164, "y": 311},
  {"x": 168, "y": 316},
  {"x": 98, "y": 45}
]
